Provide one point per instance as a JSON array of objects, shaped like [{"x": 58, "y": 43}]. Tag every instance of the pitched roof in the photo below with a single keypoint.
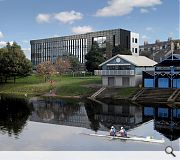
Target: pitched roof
[{"x": 135, "y": 60}]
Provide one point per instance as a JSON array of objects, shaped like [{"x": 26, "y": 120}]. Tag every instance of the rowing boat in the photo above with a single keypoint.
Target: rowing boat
[{"x": 133, "y": 138}]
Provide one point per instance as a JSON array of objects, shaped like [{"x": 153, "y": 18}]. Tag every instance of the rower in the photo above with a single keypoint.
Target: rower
[
  {"x": 112, "y": 131},
  {"x": 123, "y": 132}
]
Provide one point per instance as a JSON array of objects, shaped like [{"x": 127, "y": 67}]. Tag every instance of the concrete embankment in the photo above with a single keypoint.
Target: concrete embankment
[{"x": 142, "y": 95}]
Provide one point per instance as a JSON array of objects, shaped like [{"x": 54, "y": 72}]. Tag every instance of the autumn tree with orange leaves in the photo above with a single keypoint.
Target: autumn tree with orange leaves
[
  {"x": 62, "y": 65},
  {"x": 46, "y": 69}
]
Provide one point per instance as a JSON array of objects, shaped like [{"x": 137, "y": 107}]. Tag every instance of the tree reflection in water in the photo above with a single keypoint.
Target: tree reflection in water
[
  {"x": 54, "y": 110},
  {"x": 14, "y": 112},
  {"x": 92, "y": 108}
]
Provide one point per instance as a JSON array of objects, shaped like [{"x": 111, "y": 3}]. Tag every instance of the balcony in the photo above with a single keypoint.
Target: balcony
[{"x": 114, "y": 72}]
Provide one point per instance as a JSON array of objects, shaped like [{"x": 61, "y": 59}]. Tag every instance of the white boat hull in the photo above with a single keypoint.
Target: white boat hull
[{"x": 133, "y": 138}]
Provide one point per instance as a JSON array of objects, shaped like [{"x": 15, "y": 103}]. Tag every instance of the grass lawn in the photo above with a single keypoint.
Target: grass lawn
[
  {"x": 75, "y": 86},
  {"x": 64, "y": 86},
  {"x": 126, "y": 92}
]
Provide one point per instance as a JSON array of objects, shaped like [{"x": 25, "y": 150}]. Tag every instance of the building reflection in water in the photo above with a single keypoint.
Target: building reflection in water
[
  {"x": 95, "y": 116},
  {"x": 166, "y": 119},
  {"x": 14, "y": 113},
  {"x": 88, "y": 114},
  {"x": 124, "y": 114},
  {"x": 62, "y": 112}
]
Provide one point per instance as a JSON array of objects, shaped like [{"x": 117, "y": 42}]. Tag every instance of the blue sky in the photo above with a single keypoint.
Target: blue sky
[{"x": 23, "y": 20}]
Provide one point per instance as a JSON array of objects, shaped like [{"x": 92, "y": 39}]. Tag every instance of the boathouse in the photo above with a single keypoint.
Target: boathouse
[
  {"x": 165, "y": 75},
  {"x": 124, "y": 70}
]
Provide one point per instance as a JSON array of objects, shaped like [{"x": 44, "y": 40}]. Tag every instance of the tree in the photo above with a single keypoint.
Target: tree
[
  {"x": 13, "y": 62},
  {"x": 46, "y": 69},
  {"x": 94, "y": 58},
  {"x": 119, "y": 50},
  {"x": 62, "y": 65},
  {"x": 74, "y": 62}
]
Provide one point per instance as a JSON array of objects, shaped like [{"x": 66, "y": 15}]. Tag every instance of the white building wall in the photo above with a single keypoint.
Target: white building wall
[
  {"x": 104, "y": 80},
  {"x": 138, "y": 80},
  {"x": 133, "y": 81},
  {"x": 133, "y": 44},
  {"x": 118, "y": 81}
]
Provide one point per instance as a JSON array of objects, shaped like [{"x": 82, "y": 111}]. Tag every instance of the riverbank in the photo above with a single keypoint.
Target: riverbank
[
  {"x": 62, "y": 86},
  {"x": 69, "y": 87},
  {"x": 170, "y": 96}
]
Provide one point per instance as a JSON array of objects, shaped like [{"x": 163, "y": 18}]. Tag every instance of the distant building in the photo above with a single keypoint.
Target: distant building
[
  {"x": 124, "y": 70},
  {"x": 159, "y": 50},
  {"x": 79, "y": 45},
  {"x": 165, "y": 75}
]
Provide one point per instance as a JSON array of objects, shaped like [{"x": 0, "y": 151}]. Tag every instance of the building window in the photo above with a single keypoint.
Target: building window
[
  {"x": 132, "y": 40},
  {"x": 114, "y": 41},
  {"x": 162, "y": 112},
  {"x": 135, "y": 50},
  {"x": 136, "y": 41},
  {"x": 101, "y": 41}
]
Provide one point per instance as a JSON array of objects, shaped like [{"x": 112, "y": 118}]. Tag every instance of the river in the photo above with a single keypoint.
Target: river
[{"x": 48, "y": 124}]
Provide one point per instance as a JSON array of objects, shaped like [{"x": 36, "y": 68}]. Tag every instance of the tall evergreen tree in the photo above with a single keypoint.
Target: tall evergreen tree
[
  {"x": 94, "y": 58},
  {"x": 74, "y": 62},
  {"x": 119, "y": 50}
]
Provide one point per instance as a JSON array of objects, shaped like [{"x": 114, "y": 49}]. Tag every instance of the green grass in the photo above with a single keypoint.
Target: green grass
[
  {"x": 76, "y": 86},
  {"x": 64, "y": 86},
  {"x": 126, "y": 92}
]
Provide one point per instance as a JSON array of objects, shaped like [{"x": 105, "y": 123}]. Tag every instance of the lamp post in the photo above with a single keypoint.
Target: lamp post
[
  {"x": 172, "y": 48},
  {"x": 172, "y": 72}
]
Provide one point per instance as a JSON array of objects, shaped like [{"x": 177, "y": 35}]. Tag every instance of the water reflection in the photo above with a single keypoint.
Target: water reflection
[
  {"x": 87, "y": 114},
  {"x": 166, "y": 119},
  {"x": 63, "y": 112},
  {"x": 100, "y": 116},
  {"x": 14, "y": 113},
  {"x": 124, "y": 114}
]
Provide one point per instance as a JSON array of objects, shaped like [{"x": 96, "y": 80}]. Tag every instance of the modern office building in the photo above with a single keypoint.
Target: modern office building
[{"x": 79, "y": 45}]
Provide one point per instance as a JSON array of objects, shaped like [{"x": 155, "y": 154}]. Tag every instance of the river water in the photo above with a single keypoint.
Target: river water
[{"x": 49, "y": 124}]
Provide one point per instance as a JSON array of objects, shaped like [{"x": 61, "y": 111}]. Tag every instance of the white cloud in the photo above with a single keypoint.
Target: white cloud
[
  {"x": 43, "y": 18},
  {"x": 3, "y": 43},
  {"x": 1, "y": 35},
  {"x": 144, "y": 37},
  {"x": 25, "y": 41},
  {"x": 143, "y": 10},
  {"x": 170, "y": 34},
  {"x": 27, "y": 52},
  {"x": 64, "y": 17},
  {"x": 56, "y": 35},
  {"x": 149, "y": 29},
  {"x": 123, "y": 7},
  {"x": 82, "y": 29},
  {"x": 68, "y": 17},
  {"x": 154, "y": 9}
]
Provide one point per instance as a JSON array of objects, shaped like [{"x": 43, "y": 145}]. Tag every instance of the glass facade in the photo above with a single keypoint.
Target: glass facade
[
  {"x": 101, "y": 41},
  {"x": 78, "y": 45}
]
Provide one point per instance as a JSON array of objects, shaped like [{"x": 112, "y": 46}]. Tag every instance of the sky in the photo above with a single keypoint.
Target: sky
[{"x": 24, "y": 20}]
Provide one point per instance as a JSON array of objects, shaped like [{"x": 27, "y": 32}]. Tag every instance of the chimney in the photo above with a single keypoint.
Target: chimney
[
  {"x": 169, "y": 39},
  {"x": 145, "y": 43},
  {"x": 157, "y": 41}
]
